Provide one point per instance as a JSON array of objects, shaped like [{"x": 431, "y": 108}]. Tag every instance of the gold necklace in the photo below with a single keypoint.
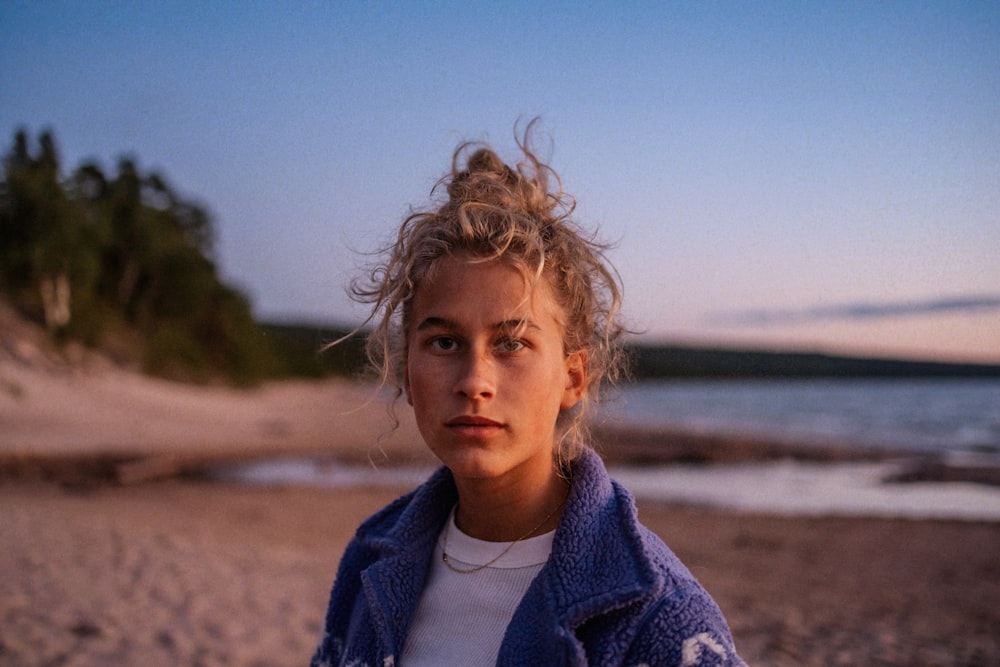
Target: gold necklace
[{"x": 477, "y": 568}]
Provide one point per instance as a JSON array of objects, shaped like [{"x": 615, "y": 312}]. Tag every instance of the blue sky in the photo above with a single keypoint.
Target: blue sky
[{"x": 807, "y": 175}]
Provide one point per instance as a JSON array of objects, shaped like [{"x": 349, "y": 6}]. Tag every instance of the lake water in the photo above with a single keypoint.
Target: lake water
[{"x": 939, "y": 415}]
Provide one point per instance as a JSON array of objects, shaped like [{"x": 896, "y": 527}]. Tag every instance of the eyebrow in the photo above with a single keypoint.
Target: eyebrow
[{"x": 506, "y": 325}]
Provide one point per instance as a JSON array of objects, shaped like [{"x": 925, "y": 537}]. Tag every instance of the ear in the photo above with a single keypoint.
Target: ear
[{"x": 576, "y": 379}]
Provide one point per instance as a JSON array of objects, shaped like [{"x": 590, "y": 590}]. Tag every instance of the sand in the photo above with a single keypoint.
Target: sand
[
  {"x": 110, "y": 558},
  {"x": 207, "y": 573}
]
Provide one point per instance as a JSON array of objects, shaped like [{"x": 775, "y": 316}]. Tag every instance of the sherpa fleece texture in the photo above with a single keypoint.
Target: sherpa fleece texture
[{"x": 612, "y": 593}]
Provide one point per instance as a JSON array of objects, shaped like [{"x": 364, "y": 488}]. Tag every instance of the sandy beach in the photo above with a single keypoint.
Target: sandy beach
[
  {"x": 194, "y": 573},
  {"x": 116, "y": 552}
]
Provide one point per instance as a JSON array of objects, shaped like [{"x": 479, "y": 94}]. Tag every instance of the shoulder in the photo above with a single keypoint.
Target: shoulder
[
  {"x": 674, "y": 619},
  {"x": 407, "y": 525}
]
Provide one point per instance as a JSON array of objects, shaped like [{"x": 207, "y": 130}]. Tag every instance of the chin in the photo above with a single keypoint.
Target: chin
[
  {"x": 473, "y": 465},
  {"x": 473, "y": 469}
]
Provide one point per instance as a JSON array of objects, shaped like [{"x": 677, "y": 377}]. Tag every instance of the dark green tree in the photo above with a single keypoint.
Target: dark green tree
[
  {"x": 46, "y": 259},
  {"x": 123, "y": 254}
]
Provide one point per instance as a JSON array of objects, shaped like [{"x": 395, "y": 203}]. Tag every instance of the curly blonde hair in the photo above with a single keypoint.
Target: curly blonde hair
[{"x": 493, "y": 211}]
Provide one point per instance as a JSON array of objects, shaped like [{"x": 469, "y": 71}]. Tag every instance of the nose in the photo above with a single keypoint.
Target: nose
[{"x": 477, "y": 379}]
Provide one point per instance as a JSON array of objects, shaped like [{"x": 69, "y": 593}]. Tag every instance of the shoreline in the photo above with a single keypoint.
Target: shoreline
[
  {"x": 777, "y": 488},
  {"x": 703, "y": 471}
]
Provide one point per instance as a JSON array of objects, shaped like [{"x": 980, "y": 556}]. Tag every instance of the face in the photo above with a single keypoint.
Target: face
[{"x": 486, "y": 372}]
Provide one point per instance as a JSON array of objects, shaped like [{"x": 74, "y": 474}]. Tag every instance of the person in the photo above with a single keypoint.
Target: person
[{"x": 497, "y": 317}]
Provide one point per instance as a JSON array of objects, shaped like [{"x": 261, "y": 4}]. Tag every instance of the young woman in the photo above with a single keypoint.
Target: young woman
[{"x": 496, "y": 317}]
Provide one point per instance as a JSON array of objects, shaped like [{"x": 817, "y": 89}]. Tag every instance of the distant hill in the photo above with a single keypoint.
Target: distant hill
[{"x": 667, "y": 361}]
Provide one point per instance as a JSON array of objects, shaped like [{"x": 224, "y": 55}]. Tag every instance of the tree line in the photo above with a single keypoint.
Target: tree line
[{"x": 124, "y": 262}]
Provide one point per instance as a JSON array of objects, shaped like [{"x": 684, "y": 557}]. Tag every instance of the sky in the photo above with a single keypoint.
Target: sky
[{"x": 803, "y": 175}]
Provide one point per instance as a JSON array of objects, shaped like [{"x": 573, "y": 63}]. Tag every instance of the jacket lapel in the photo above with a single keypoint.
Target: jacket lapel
[{"x": 598, "y": 565}]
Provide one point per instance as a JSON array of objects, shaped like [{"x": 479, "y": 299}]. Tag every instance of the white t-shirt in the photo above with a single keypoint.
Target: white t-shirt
[{"x": 461, "y": 618}]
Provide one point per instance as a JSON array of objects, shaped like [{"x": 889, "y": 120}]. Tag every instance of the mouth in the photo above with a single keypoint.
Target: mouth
[{"x": 473, "y": 426}]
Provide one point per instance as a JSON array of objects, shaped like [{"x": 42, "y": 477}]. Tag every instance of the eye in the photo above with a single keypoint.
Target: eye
[
  {"x": 509, "y": 345},
  {"x": 443, "y": 343}
]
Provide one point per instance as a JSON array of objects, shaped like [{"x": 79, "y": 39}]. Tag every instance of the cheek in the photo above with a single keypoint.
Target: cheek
[
  {"x": 419, "y": 383},
  {"x": 543, "y": 385}
]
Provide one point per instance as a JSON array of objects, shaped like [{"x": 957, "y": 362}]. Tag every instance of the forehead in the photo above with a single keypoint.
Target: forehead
[{"x": 462, "y": 285}]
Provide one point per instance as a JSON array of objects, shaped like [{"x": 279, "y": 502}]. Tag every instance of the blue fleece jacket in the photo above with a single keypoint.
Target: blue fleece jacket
[{"x": 612, "y": 593}]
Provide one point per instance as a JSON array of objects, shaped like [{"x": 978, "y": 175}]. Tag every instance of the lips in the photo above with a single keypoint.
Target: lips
[
  {"x": 473, "y": 426},
  {"x": 470, "y": 420}
]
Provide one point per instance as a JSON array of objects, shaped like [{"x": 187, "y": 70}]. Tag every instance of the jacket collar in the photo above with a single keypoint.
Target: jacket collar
[{"x": 411, "y": 523}]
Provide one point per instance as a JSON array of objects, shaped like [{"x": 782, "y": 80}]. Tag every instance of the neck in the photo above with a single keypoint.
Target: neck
[{"x": 502, "y": 511}]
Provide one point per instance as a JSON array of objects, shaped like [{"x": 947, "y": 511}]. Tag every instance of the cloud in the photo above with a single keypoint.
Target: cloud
[{"x": 858, "y": 311}]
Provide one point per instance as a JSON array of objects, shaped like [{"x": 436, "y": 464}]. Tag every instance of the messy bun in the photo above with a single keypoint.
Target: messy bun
[{"x": 518, "y": 215}]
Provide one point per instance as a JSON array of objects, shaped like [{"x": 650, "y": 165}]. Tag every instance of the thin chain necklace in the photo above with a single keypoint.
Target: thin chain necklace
[{"x": 477, "y": 568}]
